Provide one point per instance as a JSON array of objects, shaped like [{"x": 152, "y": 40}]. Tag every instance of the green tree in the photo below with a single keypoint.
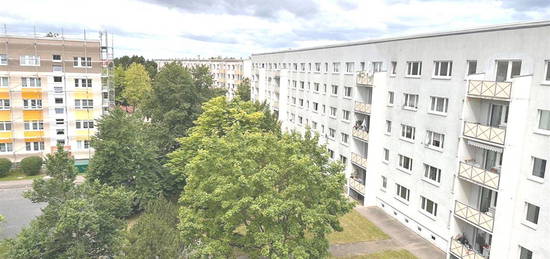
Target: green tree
[
  {"x": 243, "y": 90},
  {"x": 125, "y": 156},
  {"x": 137, "y": 85},
  {"x": 119, "y": 84},
  {"x": 126, "y": 61},
  {"x": 31, "y": 165},
  {"x": 154, "y": 234},
  {"x": 5, "y": 166}
]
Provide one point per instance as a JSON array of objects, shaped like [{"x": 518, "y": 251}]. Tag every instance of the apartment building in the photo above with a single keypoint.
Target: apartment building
[
  {"x": 449, "y": 132},
  {"x": 227, "y": 72},
  {"x": 52, "y": 90}
]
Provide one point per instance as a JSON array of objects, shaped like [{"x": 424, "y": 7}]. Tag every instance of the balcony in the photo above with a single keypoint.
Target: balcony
[
  {"x": 359, "y": 160},
  {"x": 490, "y": 89},
  {"x": 473, "y": 173},
  {"x": 474, "y": 217},
  {"x": 463, "y": 251},
  {"x": 364, "y": 78},
  {"x": 484, "y": 133},
  {"x": 362, "y": 107},
  {"x": 360, "y": 134},
  {"x": 356, "y": 185}
]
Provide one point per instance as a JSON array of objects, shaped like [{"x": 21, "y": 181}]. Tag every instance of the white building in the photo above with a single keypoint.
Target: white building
[{"x": 433, "y": 128}]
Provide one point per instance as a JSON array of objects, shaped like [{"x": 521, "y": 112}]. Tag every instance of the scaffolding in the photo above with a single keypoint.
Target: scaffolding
[{"x": 107, "y": 84}]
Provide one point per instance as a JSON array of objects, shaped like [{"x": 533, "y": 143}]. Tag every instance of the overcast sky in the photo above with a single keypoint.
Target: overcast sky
[{"x": 237, "y": 28}]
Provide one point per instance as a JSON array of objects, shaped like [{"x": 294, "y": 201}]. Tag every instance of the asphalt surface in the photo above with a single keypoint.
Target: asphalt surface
[{"x": 17, "y": 210}]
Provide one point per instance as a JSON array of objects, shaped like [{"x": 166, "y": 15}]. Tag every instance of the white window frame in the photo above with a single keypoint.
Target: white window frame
[
  {"x": 317, "y": 67},
  {"x": 33, "y": 125},
  {"x": 348, "y": 91},
  {"x": 3, "y": 59},
  {"x": 32, "y": 104},
  {"x": 34, "y": 146},
  {"x": 377, "y": 66},
  {"x": 546, "y": 76},
  {"x": 331, "y": 133},
  {"x": 384, "y": 183},
  {"x": 5, "y": 104},
  {"x": 435, "y": 140},
  {"x": 411, "y": 102},
  {"x": 438, "y": 69},
  {"x": 346, "y": 115},
  {"x": 350, "y": 67},
  {"x": 6, "y": 126},
  {"x": 388, "y": 127},
  {"x": 82, "y": 62},
  {"x": 84, "y": 124},
  {"x": 425, "y": 202},
  {"x": 31, "y": 82},
  {"x": 526, "y": 214},
  {"x": 432, "y": 171},
  {"x": 29, "y": 61},
  {"x": 391, "y": 98},
  {"x": 543, "y": 167},
  {"x": 334, "y": 90},
  {"x": 333, "y": 111},
  {"x": 344, "y": 138},
  {"x": 393, "y": 71},
  {"x": 336, "y": 67},
  {"x": 6, "y": 147},
  {"x": 402, "y": 191},
  {"x": 4, "y": 81},
  {"x": 434, "y": 105},
  {"x": 411, "y": 71},
  {"x": 540, "y": 117},
  {"x": 316, "y": 87},
  {"x": 403, "y": 162},
  {"x": 83, "y": 144},
  {"x": 408, "y": 132},
  {"x": 386, "y": 154},
  {"x": 84, "y": 104}
]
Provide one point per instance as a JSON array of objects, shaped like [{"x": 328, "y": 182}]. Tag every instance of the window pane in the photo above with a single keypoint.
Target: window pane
[
  {"x": 544, "y": 122},
  {"x": 539, "y": 167}
]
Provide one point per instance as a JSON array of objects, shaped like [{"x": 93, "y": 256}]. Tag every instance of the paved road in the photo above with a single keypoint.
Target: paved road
[{"x": 17, "y": 210}]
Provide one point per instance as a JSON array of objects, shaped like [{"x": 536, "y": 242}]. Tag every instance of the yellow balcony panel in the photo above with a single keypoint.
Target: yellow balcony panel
[
  {"x": 31, "y": 95},
  {"x": 83, "y": 95},
  {"x": 84, "y": 132},
  {"x": 6, "y": 135},
  {"x": 82, "y": 138},
  {"x": 84, "y": 114},
  {"x": 5, "y": 115},
  {"x": 34, "y": 134},
  {"x": 32, "y": 115},
  {"x": 6, "y": 140},
  {"x": 4, "y": 95}
]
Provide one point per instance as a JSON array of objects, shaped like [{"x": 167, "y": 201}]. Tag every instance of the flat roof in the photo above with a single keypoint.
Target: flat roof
[
  {"x": 199, "y": 60},
  {"x": 25, "y": 37},
  {"x": 510, "y": 26}
]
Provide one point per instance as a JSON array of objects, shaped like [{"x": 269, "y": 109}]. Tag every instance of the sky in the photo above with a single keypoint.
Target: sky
[{"x": 238, "y": 28}]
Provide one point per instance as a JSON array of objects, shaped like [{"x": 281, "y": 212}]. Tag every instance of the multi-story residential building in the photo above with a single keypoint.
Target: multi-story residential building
[
  {"x": 52, "y": 89},
  {"x": 447, "y": 132},
  {"x": 227, "y": 72}
]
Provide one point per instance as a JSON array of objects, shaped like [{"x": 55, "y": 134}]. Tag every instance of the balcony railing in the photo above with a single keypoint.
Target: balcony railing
[
  {"x": 359, "y": 160},
  {"x": 479, "y": 175},
  {"x": 364, "y": 78},
  {"x": 362, "y": 107},
  {"x": 356, "y": 185},
  {"x": 485, "y": 133},
  {"x": 490, "y": 89},
  {"x": 463, "y": 252},
  {"x": 360, "y": 134},
  {"x": 473, "y": 216}
]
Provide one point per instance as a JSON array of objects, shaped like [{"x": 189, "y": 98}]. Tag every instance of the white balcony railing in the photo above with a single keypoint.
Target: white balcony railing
[
  {"x": 485, "y": 133},
  {"x": 360, "y": 134},
  {"x": 479, "y": 175},
  {"x": 490, "y": 89},
  {"x": 356, "y": 185},
  {"x": 362, "y": 107},
  {"x": 474, "y": 217},
  {"x": 463, "y": 252},
  {"x": 359, "y": 160},
  {"x": 364, "y": 78}
]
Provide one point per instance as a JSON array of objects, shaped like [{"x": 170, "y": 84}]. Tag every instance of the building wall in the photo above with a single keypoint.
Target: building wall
[{"x": 523, "y": 139}]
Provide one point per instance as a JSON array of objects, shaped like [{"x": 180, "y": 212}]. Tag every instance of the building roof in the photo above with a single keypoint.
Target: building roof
[
  {"x": 511, "y": 26},
  {"x": 200, "y": 60}
]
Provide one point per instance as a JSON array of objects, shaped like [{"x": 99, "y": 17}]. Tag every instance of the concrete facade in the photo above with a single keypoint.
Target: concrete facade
[{"x": 434, "y": 129}]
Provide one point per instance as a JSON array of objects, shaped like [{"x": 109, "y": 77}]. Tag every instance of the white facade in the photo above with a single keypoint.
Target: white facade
[{"x": 468, "y": 124}]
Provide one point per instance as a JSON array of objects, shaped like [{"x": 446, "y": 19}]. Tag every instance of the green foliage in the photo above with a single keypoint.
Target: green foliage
[
  {"x": 154, "y": 234},
  {"x": 126, "y": 61},
  {"x": 119, "y": 84},
  {"x": 137, "y": 85},
  {"x": 243, "y": 90},
  {"x": 125, "y": 156},
  {"x": 5, "y": 166},
  {"x": 31, "y": 165}
]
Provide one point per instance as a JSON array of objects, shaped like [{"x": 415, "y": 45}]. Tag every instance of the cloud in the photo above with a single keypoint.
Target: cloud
[{"x": 525, "y": 5}]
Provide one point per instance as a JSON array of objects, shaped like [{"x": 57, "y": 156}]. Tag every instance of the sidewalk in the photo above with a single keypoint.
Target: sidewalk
[{"x": 15, "y": 184}]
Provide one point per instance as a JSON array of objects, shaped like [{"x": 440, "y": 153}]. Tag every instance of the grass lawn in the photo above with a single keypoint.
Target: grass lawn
[
  {"x": 388, "y": 254},
  {"x": 356, "y": 229},
  {"x": 18, "y": 175}
]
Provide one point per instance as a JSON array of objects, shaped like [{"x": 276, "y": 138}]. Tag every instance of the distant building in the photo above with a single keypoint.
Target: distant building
[
  {"x": 449, "y": 132},
  {"x": 228, "y": 73},
  {"x": 52, "y": 89}
]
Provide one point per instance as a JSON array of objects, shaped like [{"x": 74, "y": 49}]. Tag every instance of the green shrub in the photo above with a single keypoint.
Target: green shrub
[
  {"x": 5, "y": 166},
  {"x": 31, "y": 165}
]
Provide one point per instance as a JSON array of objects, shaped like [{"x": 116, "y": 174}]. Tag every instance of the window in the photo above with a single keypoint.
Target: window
[
  {"x": 346, "y": 115},
  {"x": 525, "y": 253},
  {"x": 429, "y": 206},
  {"x": 435, "y": 140},
  {"x": 3, "y": 59},
  {"x": 532, "y": 214},
  {"x": 315, "y": 106},
  {"x": 4, "y": 81},
  {"x": 326, "y": 67},
  {"x": 386, "y": 155},
  {"x": 408, "y": 132},
  {"x": 82, "y": 82},
  {"x": 547, "y": 72},
  {"x": 59, "y": 110},
  {"x": 84, "y": 124},
  {"x": 82, "y": 144},
  {"x": 376, "y": 67},
  {"x": 59, "y": 121},
  {"x": 59, "y": 100},
  {"x": 402, "y": 192},
  {"x": 347, "y": 91},
  {"x": 303, "y": 66},
  {"x": 34, "y": 146},
  {"x": 388, "y": 127},
  {"x": 4, "y": 104},
  {"x": 333, "y": 111},
  {"x": 57, "y": 79},
  {"x": 294, "y": 84},
  {"x": 314, "y": 124},
  {"x": 345, "y": 138},
  {"x": 331, "y": 133},
  {"x": 5, "y": 125},
  {"x": 443, "y": 68},
  {"x": 390, "y": 98},
  {"x": 294, "y": 100},
  {"x": 344, "y": 160},
  {"x": 60, "y": 131},
  {"x": 32, "y": 104},
  {"x": 6, "y": 147},
  {"x": 300, "y": 120},
  {"x": 316, "y": 87},
  {"x": 302, "y": 85},
  {"x": 414, "y": 68},
  {"x": 472, "y": 67},
  {"x": 82, "y": 61},
  {"x": 336, "y": 67},
  {"x": 331, "y": 153},
  {"x": 393, "y": 71},
  {"x": 56, "y": 58},
  {"x": 33, "y": 125},
  {"x": 405, "y": 163},
  {"x": 324, "y": 88},
  {"x": 317, "y": 67},
  {"x": 84, "y": 104},
  {"x": 31, "y": 82},
  {"x": 439, "y": 104},
  {"x": 384, "y": 182},
  {"x": 349, "y": 67},
  {"x": 411, "y": 101},
  {"x": 334, "y": 90},
  {"x": 301, "y": 102},
  {"x": 28, "y": 60},
  {"x": 432, "y": 173},
  {"x": 544, "y": 119},
  {"x": 539, "y": 167},
  {"x": 324, "y": 109},
  {"x": 308, "y": 66}
]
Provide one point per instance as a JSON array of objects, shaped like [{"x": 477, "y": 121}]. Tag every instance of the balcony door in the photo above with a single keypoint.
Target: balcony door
[
  {"x": 498, "y": 115},
  {"x": 492, "y": 160},
  {"x": 506, "y": 69},
  {"x": 487, "y": 199}
]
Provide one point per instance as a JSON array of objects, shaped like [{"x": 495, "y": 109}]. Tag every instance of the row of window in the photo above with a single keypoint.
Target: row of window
[
  {"x": 36, "y": 104},
  {"x": 404, "y": 194},
  {"x": 39, "y": 125},
  {"x": 39, "y": 145},
  {"x": 32, "y": 60},
  {"x": 36, "y": 82}
]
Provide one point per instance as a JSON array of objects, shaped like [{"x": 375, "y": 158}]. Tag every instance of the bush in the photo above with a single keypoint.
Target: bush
[
  {"x": 5, "y": 166},
  {"x": 31, "y": 165}
]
